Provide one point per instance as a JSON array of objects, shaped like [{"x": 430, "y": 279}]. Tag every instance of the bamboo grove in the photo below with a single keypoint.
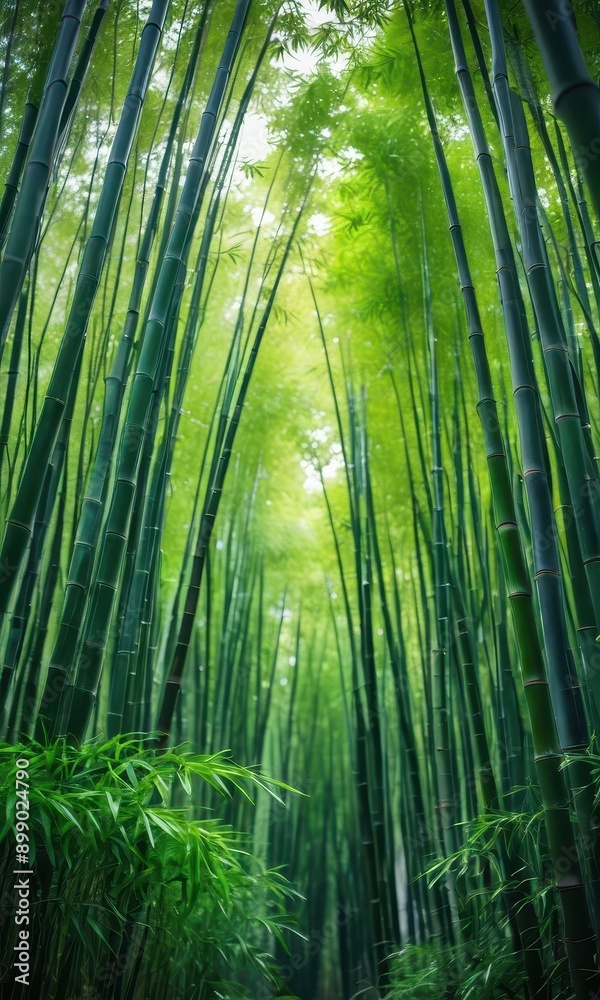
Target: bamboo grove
[{"x": 300, "y": 555}]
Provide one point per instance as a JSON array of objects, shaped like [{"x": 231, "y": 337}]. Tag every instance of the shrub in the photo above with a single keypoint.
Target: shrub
[{"x": 129, "y": 897}]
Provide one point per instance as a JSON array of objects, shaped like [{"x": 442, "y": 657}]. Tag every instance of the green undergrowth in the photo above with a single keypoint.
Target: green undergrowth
[
  {"x": 129, "y": 897},
  {"x": 446, "y": 972}
]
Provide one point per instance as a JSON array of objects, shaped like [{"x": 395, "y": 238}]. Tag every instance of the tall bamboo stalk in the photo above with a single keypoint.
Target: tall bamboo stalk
[
  {"x": 82, "y": 691},
  {"x": 91, "y": 514},
  {"x": 20, "y": 521},
  {"x": 30, "y": 201},
  {"x": 575, "y": 95},
  {"x": 580, "y": 940}
]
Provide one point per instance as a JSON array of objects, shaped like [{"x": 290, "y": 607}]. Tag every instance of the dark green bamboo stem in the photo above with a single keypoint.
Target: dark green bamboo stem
[
  {"x": 575, "y": 95},
  {"x": 584, "y": 490},
  {"x": 12, "y": 376},
  {"x": 81, "y": 698},
  {"x": 79, "y": 74},
  {"x": 90, "y": 518},
  {"x": 580, "y": 940},
  {"x": 20, "y": 521},
  {"x": 30, "y": 116},
  {"x": 29, "y": 204}
]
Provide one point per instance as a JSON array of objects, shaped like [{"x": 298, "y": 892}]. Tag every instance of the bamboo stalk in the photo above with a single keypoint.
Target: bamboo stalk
[
  {"x": 20, "y": 521},
  {"x": 29, "y": 203},
  {"x": 575, "y": 95},
  {"x": 82, "y": 695}
]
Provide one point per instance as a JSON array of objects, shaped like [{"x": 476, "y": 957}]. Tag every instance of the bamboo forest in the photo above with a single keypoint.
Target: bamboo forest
[{"x": 300, "y": 499}]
